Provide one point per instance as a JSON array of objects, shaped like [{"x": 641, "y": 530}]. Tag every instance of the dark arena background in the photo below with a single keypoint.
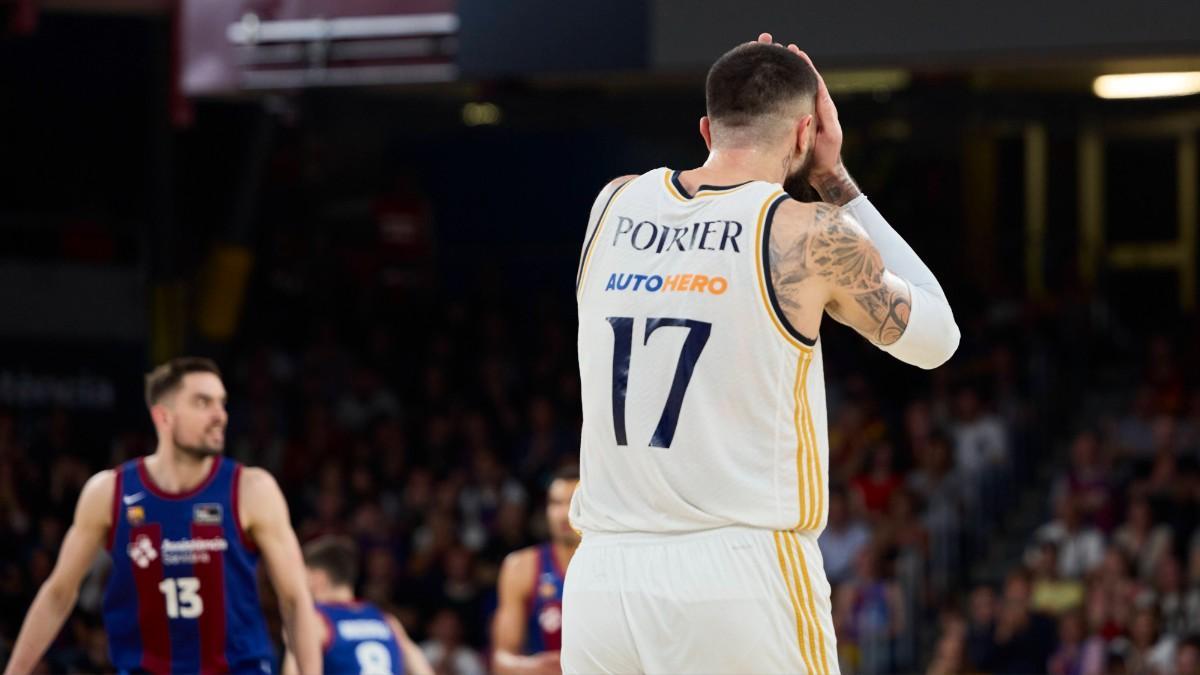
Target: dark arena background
[{"x": 370, "y": 213}]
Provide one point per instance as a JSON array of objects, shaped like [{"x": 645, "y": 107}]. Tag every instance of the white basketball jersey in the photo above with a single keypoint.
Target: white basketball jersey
[{"x": 702, "y": 407}]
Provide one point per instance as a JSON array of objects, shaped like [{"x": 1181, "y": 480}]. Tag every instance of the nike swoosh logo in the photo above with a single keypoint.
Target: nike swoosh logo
[{"x": 133, "y": 499}]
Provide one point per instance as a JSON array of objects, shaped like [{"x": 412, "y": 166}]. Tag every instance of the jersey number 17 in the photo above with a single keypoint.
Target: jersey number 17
[{"x": 698, "y": 332}]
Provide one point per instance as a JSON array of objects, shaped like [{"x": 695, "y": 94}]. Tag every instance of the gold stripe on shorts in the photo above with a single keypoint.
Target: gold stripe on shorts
[
  {"x": 785, "y": 568},
  {"x": 811, "y": 604}
]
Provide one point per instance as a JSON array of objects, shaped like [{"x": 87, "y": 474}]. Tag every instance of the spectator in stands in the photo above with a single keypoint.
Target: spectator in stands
[
  {"x": 869, "y": 613},
  {"x": 981, "y": 624},
  {"x": 980, "y": 440},
  {"x": 1187, "y": 657},
  {"x": 1052, "y": 593},
  {"x": 1080, "y": 546},
  {"x": 844, "y": 538},
  {"x": 1088, "y": 481},
  {"x": 1073, "y": 656},
  {"x": 1134, "y": 430},
  {"x": 1141, "y": 540},
  {"x": 876, "y": 485},
  {"x": 1023, "y": 639},
  {"x": 1170, "y": 596},
  {"x": 445, "y": 649},
  {"x": 935, "y": 484},
  {"x": 1150, "y": 650}
]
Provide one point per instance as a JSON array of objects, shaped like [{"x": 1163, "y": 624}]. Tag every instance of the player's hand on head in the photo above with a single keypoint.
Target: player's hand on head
[
  {"x": 768, "y": 39},
  {"x": 827, "y": 148}
]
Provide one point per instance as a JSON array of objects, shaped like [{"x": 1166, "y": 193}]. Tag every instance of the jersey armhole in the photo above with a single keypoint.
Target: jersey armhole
[
  {"x": 773, "y": 301},
  {"x": 327, "y": 644},
  {"x": 247, "y": 542},
  {"x": 533, "y": 589},
  {"x": 586, "y": 255},
  {"x": 116, "y": 507}
]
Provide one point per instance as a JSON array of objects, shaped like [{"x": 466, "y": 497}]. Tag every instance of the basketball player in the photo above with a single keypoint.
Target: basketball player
[
  {"x": 527, "y": 629},
  {"x": 704, "y": 448},
  {"x": 185, "y": 528},
  {"x": 357, "y": 636}
]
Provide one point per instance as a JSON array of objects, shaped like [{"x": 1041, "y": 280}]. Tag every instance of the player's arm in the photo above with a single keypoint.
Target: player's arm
[
  {"x": 414, "y": 659},
  {"x": 290, "y": 666},
  {"x": 898, "y": 307},
  {"x": 265, "y": 515},
  {"x": 56, "y": 598},
  {"x": 878, "y": 285},
  {"x": 508, "y": 626}
]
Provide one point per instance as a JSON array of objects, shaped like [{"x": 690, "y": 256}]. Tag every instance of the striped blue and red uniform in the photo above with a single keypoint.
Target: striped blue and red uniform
[
  {"x": 182, "y": 596},
  {"x": 545, "y": 604},
  {"x": 359, "y": 640}
]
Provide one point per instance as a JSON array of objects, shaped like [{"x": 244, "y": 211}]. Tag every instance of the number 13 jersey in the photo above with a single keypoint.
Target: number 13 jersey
[
  {"x": 182, "y": 596},
  {"x": 702, "y": 406}
]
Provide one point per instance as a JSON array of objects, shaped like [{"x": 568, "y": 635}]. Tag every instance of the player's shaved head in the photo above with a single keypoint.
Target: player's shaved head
[{"x": 755, "y": 93}]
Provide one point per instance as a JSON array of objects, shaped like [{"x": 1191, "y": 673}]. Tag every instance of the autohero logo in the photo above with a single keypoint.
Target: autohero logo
[{"x": 671, "y": 283}]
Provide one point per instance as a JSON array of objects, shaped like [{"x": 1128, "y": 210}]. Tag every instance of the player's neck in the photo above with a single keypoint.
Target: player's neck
[
  {"x": 175, "y": 471},
  {"x": 731, "y": 166},
  {"x": 340, "y": 596}
]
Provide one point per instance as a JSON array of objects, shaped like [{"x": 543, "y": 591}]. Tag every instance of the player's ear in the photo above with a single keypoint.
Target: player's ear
[
  {"x": 803, "y": 134},
  {"x": 160, "y": 414},
  {"x": 706, "y": 132}
]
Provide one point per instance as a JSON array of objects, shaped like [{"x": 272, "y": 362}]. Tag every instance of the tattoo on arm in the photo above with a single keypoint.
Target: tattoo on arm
[
  {"x": 836, "y": 187},
  {"x": 842, "y": 255}
]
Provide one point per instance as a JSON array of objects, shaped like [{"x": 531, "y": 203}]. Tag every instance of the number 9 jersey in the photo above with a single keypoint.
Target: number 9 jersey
[
  {"x": 702, "y": 406},
  {"x": 182, "y": 596}
]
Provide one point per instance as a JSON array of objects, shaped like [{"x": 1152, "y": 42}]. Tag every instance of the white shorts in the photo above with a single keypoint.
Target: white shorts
[{"x": 732, "y": 600}]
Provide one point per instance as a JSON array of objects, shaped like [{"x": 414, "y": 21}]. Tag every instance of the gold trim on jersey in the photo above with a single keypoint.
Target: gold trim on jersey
[
  {"x": 809, "y": 627},
  {"x": 671, "y": 188},
  {"x": 596, "y": 238},
  {"x": 807, "y": 447},
  {"x": 674, "y": 192},
  {"x": 801, "y": 419},
  {"x": 758, "y": 266}
]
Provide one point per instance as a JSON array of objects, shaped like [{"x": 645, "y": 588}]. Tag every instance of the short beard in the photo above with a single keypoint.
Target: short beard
[
  {"x": 796, "y": 183},
  {"x": 197, "y": 451}
]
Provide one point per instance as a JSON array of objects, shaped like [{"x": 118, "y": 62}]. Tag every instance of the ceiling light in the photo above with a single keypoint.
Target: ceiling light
[{"x": 1147, "y": 85}]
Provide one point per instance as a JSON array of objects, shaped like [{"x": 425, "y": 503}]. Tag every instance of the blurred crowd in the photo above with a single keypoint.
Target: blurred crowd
[{"x": 1110, "y": 583}]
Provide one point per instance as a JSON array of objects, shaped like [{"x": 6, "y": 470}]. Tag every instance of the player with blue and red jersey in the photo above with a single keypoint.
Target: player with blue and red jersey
[
  {"x": 527, "y": 629},
  {"x": 185, "y": 528},
  {"x": 358, "y": 637}
]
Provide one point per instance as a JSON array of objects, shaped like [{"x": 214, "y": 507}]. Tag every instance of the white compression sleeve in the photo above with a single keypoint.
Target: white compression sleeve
[{"x": 931, "y": 336}]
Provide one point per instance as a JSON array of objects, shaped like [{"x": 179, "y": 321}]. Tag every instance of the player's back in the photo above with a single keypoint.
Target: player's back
[
  {"x": 702, "y": 407},
  {"x": 182, "y": 595},
  {"x": 359, "y": 640}
]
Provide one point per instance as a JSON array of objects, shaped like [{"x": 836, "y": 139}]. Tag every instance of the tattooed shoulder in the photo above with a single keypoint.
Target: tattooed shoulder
[{"x": 828, "y": 245}]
